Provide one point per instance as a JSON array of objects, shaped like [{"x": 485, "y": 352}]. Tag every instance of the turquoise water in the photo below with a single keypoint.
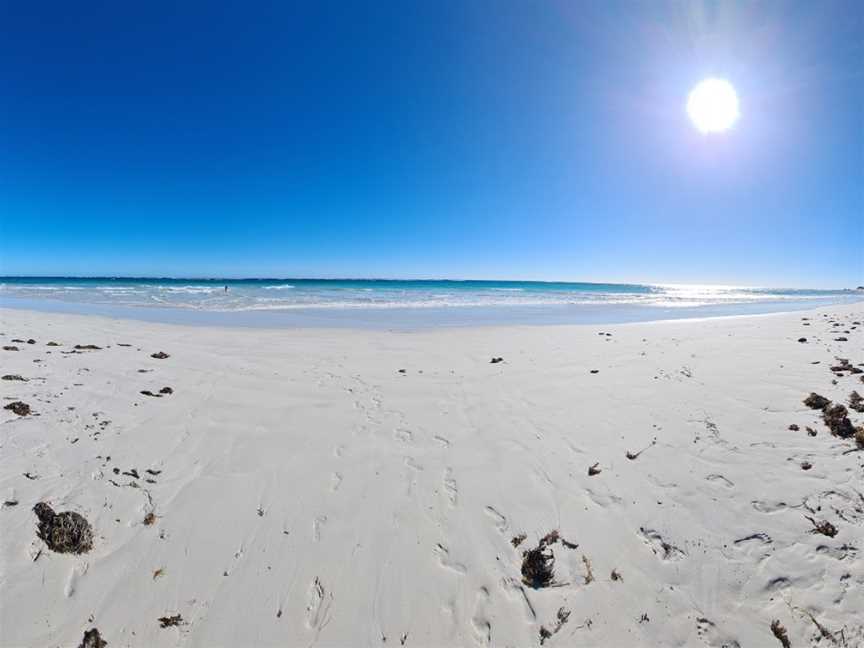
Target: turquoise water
[{"x": 416, "y": 301}]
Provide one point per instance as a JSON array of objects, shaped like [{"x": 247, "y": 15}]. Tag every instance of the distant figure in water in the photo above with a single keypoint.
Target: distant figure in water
[{"x": 226, "y": 288}]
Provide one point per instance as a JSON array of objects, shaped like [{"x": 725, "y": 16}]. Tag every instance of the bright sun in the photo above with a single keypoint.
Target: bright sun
[{"x": 713, "y": 106}]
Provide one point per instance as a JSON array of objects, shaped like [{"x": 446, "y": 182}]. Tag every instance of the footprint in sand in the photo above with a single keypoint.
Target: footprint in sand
[
  {"x": 317, "y": 525},
  {"x": 335, "y": 481},
  {"x": 440, "y": 439},
  {"x": 480, "y": 622},
  {"x": 768, "y": 507},
  {"x": 661, "y": 547},
  {"x": 403, "y": 435},
  {"x": 75, "y": 575},
  {"x": 318, "y": 607},
  {"x": 445, "y": 561},
  {"x": 719, "y": 479},
  {"x": 450, "y": 487},
  {"x": 712, "y": 636},
  {"x": 413, "y": 465},
  {"x": 499, "y": 520}
]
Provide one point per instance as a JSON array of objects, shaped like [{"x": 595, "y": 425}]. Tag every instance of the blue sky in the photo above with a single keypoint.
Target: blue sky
[{"x": 536, "y": 140}]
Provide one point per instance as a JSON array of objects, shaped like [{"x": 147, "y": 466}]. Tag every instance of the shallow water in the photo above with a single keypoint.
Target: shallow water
[{"x": 398, "y": 304}]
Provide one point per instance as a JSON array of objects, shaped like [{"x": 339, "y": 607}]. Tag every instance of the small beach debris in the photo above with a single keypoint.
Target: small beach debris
[
  {"x": 496, "y": 360},
  {"x": 147, "y": 392},
  {"x": 806, "y": 465},
  {"x": 87, "y": 347},
  {"x": 14, "y": 377},
  {"x": 170, "y": 621},
  {"x": 780, "y": 632},
  {"x": 841, "y": 339},
  {"x": 561, "y": 618},
  {"x": 616, "y": 576},
  {"x": 160, "y": 355},
  {"x": 31, "y": 341},
  {"x": 594, "y": 470},
  {"x": 155, "y": 473},
  {"x": 824, "y": 527},
  {"x": 794, "y": 427},
  {"x": 811, "y": 431},
  {"x": 517, "y": 540},
  {"x": 10, "y": 348},
  {"x": 836, "y": 418},
  {"x": 150, "y": 519},
  {"x": 589, "y": 575},
  {"x": 166, "y": 390},
  {"x": 594, "y": 371},
  {"x": 92, "y": 639},
  {"x": 18, "y": 407},
  {"x": 158, "y": 572},
  {"x": 635, "y": 455},
  {"x": 816, "y": 402},
  {"x": 856, "y": 402},
  {"x": 52, "y": 344},
  {"x": 132, "y": 472},
  {"x": 12, "y": 502},
  {"x": 402, "y": 371},
  {"x": 538, "y": 564},
  {"x": 66, "y": 532},
  {"x": 802, "y": 339}
]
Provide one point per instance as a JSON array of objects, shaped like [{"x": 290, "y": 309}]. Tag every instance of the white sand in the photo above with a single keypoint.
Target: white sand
[{"x": 310, "y": 494}]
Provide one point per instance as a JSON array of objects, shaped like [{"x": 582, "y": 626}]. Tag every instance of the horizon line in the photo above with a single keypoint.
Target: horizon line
[{"x": 373, "y": 279}]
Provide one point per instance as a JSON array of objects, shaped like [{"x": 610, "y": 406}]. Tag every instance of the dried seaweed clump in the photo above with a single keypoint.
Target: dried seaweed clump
[
  {"x": 815, "y": 401},
  {"x": 538, "y": 564},
  {"x": 66, "y": 532},
  {"x": 92, "y": 639},
  {"x": 170, "y": 621},
  {"x": 560, "y": 619},
  {"x": 856, "y": 402},
  {"x": 18, "y": 407},
  {"x": 824, "y": 527},
  {"x": 160, "y": 355},
  {"x": 837, "y": 419},
  {"x": 780, "y": 632}
]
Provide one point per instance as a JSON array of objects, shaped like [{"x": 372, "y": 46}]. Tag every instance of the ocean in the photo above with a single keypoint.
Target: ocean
[{"x": 263, "y": 301}]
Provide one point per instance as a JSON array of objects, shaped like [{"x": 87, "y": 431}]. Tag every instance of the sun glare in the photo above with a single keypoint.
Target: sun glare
[{"x": 713, "y": 106}]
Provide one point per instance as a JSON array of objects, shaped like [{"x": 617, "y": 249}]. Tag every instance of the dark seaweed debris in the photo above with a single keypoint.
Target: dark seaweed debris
[
  {"x": 170, "y": 621},
  {"x": 824, "y": 527},
  {"x": 538, "y": 564},
  {"x": 92, "y": 639},
  {"x": 837, "y": 419},
  {"x": 780, "y": 632},
  {"x": 66, "y": 532},
  {"x": 160, "y": 355},
  {"x": 815, "y": 401},
  {"x": 18, "y": 407}
]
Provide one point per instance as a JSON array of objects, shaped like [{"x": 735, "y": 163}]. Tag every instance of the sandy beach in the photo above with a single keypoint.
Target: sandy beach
[{"x": 648, "y": 484}]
